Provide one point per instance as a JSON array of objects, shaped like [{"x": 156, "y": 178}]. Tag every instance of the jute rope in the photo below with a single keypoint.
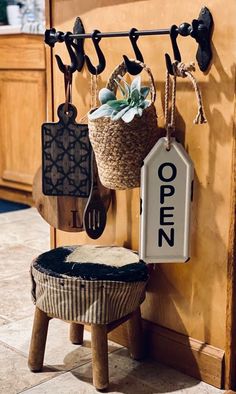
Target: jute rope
[{"x": 182, "y": 70}]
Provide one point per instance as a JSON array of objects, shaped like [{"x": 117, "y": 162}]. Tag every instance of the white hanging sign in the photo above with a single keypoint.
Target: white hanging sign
[{"x": 166, "y": 190}]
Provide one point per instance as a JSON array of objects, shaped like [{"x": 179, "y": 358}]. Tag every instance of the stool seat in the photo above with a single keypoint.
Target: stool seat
[{"x": 59, "y": 263}]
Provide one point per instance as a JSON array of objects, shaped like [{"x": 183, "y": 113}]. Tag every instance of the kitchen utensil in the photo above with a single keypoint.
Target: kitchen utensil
[
  {"x": 95, "y": 213},
  {"x": 66, "y": 155}
]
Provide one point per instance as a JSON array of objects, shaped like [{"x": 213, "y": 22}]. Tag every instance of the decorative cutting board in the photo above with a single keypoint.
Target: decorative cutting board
[
  {"x": 66, "y": 156},
  {"x": 166, "y": 193}
]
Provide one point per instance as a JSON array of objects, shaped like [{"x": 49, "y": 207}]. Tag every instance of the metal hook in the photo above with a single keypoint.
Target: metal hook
[
  {"x": 73, "y": 66},
  {"x": 102, "y": 61},
  {"x": 132, "y": 67},
  {"x": 173, "y": 36}
]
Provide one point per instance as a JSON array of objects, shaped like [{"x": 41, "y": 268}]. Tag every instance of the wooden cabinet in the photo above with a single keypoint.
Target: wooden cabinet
[{"x": 22, "y": 111}]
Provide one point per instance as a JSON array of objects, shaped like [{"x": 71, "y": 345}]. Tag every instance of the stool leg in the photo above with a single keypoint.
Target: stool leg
[
  {"x": 99, "y": 356},
  {"x": 135, "y": 337},
  {"x": 76, "y": 333},
  {"x": 38, "y": 340}
]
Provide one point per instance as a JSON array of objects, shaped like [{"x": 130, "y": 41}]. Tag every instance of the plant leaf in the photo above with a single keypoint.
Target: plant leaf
[
  {"x": 136, "y": 84},
  {"x": 117, "y": 104},
  {"x": 145, "y": 104},
  {"x": 135, "y": 96},
  {"x": 129, "y": 115},
  {"x": 105, "y": 95},
  {"x": 104, "y": 110},
  {"x": 126, "y": 85},
  {"x": 119, "y": 114},
  {"x": 122, "y": 89},
  {"x": 144, "y": 91}
]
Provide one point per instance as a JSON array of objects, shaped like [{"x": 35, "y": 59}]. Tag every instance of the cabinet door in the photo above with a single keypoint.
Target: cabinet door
[{"x": 22, "y": 111}]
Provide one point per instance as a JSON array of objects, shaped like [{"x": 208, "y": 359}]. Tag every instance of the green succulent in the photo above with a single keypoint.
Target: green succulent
[{"x": 133, "y": 101}]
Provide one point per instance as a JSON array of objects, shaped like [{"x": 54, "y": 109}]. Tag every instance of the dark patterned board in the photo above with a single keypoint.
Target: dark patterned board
[{"x": 66, "y": 156}]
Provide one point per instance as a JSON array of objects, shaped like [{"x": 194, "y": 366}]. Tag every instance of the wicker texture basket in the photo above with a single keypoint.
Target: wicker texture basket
[{"x": 120, "y": 147}]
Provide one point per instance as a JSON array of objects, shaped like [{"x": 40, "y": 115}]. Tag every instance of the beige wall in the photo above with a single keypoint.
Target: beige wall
[{"x": 190, "y": 298}]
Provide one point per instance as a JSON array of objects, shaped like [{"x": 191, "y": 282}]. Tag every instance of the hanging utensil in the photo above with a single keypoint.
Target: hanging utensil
[{"x": 95, "y": 216}]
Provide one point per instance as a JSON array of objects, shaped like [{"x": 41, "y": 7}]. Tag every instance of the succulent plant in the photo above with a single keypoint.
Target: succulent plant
[{"x": 133, "y": 101}]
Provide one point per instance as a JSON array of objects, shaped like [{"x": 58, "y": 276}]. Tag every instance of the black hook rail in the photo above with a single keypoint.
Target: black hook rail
[{"x": 200, "y": 29}]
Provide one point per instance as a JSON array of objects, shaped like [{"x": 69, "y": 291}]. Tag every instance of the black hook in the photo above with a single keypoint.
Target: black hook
[
  {"x": 73, "y": 66},
  {"x": 173, "y": 36},
  {"x": 132, "y": 67},
  {"x": 101, "y": 58}
]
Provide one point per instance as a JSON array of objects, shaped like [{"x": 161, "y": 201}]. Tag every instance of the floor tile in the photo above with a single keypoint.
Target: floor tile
[
  {"x": 3, "y": 321},
  {"x": 14, "y": 216},
  {"x": 60, "y": 352},
  {"x": 42, "y": 243},
  {"x": 160, "y": 377},
  {"x": 16, "y": 259},
  {"x": 20, "y": 232},
  {"x": 15, "y": 297},
  {"x": 15, "y": 375},
  {"x": 126, "y": 380},
  {"x": 80, "y": 381}
]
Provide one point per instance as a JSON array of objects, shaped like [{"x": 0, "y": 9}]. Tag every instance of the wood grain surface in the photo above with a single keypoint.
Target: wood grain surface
[{"x": 64, "y": 213}]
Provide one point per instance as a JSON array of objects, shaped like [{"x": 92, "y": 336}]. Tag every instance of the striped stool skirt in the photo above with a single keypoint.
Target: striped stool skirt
[{"x": 99, "y": 286}]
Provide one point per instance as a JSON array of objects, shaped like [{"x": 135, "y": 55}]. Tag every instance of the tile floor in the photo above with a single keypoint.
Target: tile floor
[{"x": 23, "y": 235}]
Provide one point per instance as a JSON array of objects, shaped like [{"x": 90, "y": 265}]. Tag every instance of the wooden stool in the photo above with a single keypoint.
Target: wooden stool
[{"x": 116, "y": 302}]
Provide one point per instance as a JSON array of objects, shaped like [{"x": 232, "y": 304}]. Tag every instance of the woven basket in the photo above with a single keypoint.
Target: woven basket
[{"x": 120, "y": 147}]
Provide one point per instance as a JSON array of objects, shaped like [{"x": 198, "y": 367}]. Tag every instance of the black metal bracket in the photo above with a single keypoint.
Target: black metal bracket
[
  {"x": 200, "y": 30},
  {"x": 78, "y": 43}
]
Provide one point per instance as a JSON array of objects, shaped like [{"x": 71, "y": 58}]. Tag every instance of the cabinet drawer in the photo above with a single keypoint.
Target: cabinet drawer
[{"x": 22, "y": 51}]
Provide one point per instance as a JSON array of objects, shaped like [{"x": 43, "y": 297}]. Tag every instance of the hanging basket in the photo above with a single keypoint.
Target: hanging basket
[{"x": 120, "y": 147}]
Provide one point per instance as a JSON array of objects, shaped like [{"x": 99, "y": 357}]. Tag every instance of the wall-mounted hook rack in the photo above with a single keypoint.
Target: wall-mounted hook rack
[{"x": 200, "y": 29}]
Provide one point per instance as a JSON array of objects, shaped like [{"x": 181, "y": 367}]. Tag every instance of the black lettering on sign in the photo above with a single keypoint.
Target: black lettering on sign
[
  {"x": 164, "y": 215},
  {"x": 166, "y": 191},
  {"x": 161, "y": 175},
  {"x": 74, "y": 219},
  {"x": 169, "y": 239}
]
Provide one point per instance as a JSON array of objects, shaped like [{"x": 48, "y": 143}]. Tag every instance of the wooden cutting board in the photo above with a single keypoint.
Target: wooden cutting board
[{"x": 64, "y": 213}]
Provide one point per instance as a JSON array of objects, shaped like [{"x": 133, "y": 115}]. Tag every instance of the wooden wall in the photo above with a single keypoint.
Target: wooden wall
[{"x": 188, "y": 298}]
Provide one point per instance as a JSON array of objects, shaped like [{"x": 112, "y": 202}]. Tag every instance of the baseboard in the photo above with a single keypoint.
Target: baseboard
[{"x": 188, "y": 355}]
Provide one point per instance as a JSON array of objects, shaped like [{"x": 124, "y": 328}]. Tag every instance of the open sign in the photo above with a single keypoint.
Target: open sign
[{"x": 166, "y": 189}]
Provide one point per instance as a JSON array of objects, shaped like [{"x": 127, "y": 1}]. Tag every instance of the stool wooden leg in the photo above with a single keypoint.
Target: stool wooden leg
[
  {"x": 99, "y": 356},
  {"x": 135, "y": 337},
  {"x": 38, "y": 340},
  {"x": 76, "y": 333}
]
